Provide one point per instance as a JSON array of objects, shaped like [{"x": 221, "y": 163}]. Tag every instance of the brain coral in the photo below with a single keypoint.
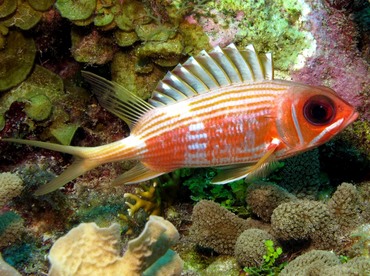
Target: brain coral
[
  {"x": 10, "y": 186},
  {"x": 250, "y": 247},
  {"x": 215, "y": 227},
  {"x": 345, "y": 206},
  {"x": 90, "y": 250},
  {"x": 305, "y": 219},
  {"x": 263, "y": 198}
]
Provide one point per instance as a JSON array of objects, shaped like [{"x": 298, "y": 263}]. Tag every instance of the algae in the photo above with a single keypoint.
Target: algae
[
  {"x": 41, "y": 5},
  {"x": 64, "y": 133},
  {"x": 7, "y": 7},
  {"x": 271, "y": 26},
  {"x": 24, "y": 18},
  {"x": 124, "y": 39},
  {"x": 38, "y": 107},
  {"x": 76, "y": 10},
  {"x": 132, "y": 14},
  {"x": 16, "y": 59}
]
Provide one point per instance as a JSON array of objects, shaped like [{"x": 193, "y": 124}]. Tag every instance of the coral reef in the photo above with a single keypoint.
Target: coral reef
[
  {"x": 305, "y": 219},
  {"x": 337, "y": 61},
  {"x": 263, "y": 198},
  {"x": 301, "y": 175},
  {"x": 219, "y": 230},
  {"x": 89, "y": 249},
  {"x": 16, "y": 60},
  {"x": 10, "y": 186},
  {"x": 11, "y": 228},
  {"x": 319, "y": 262},
  {"x": 361, "y": 241},
  {"x": 250, "y": 247},
  {"x": 345, "y": 206},
  {"x": 45, "y": 43}
]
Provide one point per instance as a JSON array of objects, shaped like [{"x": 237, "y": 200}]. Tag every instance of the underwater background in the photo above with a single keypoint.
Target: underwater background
[{"x": 309, "y": 217}]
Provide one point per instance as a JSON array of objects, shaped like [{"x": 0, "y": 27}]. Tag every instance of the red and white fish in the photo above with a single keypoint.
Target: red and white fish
[{"x": 222, "y": 108}]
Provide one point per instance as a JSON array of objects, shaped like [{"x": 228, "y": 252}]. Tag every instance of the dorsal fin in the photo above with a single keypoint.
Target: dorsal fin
[
  {"x": 117, "y": 99},
  {"x": 206, "y": 71}
]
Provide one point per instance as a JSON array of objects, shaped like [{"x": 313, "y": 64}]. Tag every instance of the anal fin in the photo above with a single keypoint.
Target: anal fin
[
  {"x": 137, "y": 174},
  {"x": 265, "y": 165}
]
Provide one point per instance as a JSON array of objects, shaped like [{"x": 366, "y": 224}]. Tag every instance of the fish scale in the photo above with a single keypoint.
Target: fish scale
[{"x": 223, "y": 108}]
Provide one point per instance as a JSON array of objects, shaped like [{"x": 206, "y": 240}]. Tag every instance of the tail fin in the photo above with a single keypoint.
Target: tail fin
[{"x": 81, "y": 165}]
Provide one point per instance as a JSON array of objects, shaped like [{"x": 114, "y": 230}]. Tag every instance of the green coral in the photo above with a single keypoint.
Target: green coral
[{"x": 16, "y": 60}]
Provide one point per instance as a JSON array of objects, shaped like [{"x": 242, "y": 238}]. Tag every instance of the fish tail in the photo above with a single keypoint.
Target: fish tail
[{"x": 84, "y": 162}]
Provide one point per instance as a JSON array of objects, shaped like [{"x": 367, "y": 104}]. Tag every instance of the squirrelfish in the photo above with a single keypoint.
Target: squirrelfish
[{"x": 218, "y": 109}]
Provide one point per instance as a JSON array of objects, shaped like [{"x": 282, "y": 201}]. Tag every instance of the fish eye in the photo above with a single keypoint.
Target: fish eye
[{"x": 319, "y": 110}]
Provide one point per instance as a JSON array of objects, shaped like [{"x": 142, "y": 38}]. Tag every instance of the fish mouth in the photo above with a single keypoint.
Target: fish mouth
[{"x": 351, "y": 119}]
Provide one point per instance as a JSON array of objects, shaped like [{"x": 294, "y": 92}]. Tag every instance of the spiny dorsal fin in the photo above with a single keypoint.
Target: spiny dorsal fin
[
  {"x": 218, "y": 68},
  {"x": 117, "y": 99}
]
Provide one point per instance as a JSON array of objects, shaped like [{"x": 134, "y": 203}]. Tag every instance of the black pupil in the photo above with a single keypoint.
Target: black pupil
[{"x": 319, "y": 110}]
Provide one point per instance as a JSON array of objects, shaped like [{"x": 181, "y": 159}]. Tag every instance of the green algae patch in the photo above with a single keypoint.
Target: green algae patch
[
  {"x": 38, "y": 107},
  {"x": 93, "y": 48},
  {"x": 103, "y": 19},
  {"x": 41, "y": 5},
  {"x": 271, "y": 26},
  {"x": 155, "y": 32},
  {"x": 39, "y": 91},
  {"x": 165, "y": 54},
  {"x": 64, "y": 133},
  {"x": 125, "y": 39},
  {"x": 16, "y": 60},
  {"x": 76, "y": 9},
  {"x": 7, "y": 7},
  {"x": 195, "y": 40},
  {"x": 123, "y": 71},
  {"x": 132, "y": 14},
  {"x": 25, "y": 17}
]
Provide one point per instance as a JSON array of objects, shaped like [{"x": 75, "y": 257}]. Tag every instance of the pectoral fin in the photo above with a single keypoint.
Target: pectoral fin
[
  {"x": 137, "y": 174},
  {"x": 265, "y": 165}
]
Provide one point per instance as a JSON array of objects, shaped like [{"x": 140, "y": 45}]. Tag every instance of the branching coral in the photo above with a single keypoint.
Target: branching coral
[
  {"x": 305, "y": 219},
  {"x": 146, "y": 198},
  {"x": 215, "y": 227},
  {"x": 90, "y": 250}
]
